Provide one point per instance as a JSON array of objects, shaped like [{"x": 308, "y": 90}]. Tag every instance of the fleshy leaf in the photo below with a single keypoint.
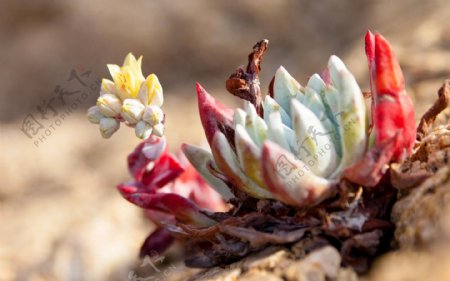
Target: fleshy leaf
[
  {"x": 166, "y": 169},
  {"x": 129, "y": 187},
  {"x": 351, "y": 116},
  {"x": 331, "y": 101},
  {"x": 239, "y": 117},
  {"x": 183, "y": 209},
  {"x": 270, "y": 105},
  {"x": 316, "y": 83},
  {"x": 369, "y": 170},
  {"x": 249, "y": 155},
  {"x": 290, "y": 180},
  {"x": 146, "y": 152},
  {"x": 313, "y": 101},
  {"x": 228, "y": 164},
  {"x": 370, "y": 54},
  {"x": 200, "y": 159},
  {"x": 255, "y": 125},
  {"x": 157, "y": 242},
  {"x": 212, "y": 113},
  {"x": 280, "y": 133},
  {"x": 329, "y": 97},
  {"x": 315, "y": 144},
  {"x": 285, "y": 87},
  {"x": 336, "y": 66},
  {"x": 392, "y": 109}
]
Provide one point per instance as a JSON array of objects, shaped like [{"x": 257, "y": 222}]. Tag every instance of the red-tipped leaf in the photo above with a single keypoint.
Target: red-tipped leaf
[
  {"x": 183, "y": 209},
  {"x": 392, "y": 109},
  {"x": 212, "y": 113}
]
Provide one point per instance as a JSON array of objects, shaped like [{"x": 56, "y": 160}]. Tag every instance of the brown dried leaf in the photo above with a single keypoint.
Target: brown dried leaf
[
  {"x": 245, "y": 84},
  {"x": 427, "y": 120}
]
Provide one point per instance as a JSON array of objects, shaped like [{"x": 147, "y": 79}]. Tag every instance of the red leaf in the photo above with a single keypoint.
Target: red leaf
[
  {"x": 129, "y": 188},
  {"x": 212, "y": 113},
  {"x": 370, "y": 169},
  {"x": 166, "y": 169},
  {"x": 146, "y": 152},
  {"x": 156, "y": 243},
  {"x": 183, "y": 209},
  {"x": 392, "y": 109}
]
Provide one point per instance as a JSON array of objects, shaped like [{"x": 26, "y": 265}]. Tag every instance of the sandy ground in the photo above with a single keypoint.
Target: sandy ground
[{"x": 62, "y": 216}]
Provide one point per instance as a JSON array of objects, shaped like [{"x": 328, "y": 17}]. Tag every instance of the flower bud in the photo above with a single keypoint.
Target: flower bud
[
  {"x": 151, "y": 92},
  {"x": 132, "y": 110},
  {"x": 109, "y": 105},
  {"x": 143, "y": 130},
  {"x": 158, "y": 130},
  {"x": 108, "y": 126},
  {"x": 153, "y": 115},
  {"x": 108, "y": 87},
  {"x": 94, "y": 115}
]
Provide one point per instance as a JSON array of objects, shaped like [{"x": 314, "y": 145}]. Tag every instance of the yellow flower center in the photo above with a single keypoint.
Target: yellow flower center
[{"x": 126, "y": 82}]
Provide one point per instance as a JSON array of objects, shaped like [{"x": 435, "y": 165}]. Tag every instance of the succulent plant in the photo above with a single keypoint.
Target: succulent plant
[
  {"x": 296, "y": 148},
  {"x": 305, "y": 137},
  {"x": 302, "y": 162}
]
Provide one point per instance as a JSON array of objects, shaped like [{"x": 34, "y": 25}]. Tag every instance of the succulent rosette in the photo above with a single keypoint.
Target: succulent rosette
[
  {"x": 303, "y": 139},
  {"x": 296, "y": 151},
  {"x": 303, "y": 161}
]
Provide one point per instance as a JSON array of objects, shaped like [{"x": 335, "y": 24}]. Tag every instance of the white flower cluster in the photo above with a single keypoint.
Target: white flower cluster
[{"x": 129, "y": 98}]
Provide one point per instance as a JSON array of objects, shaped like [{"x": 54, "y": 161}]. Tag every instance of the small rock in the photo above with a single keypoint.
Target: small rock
[
  {"x": 267, "y": 259},
  {"x": 421, "y": 217},
  {"x": 318, "y": 265},
  {"x": 346, "y": 274},
  {"x": 218, "y": 274},
  {"x": 259, "y": 275}
]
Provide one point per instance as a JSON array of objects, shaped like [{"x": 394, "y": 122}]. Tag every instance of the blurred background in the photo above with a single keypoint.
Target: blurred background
[{"x": 61, "y": 216}]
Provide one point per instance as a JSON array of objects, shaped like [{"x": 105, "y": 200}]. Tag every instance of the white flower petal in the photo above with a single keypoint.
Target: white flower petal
[
  {"x": 158, "y": 129},
  {"x": 94, "y": 115},
  {"x": 151, "y": 92},
  {"x": 114, "y": 69},
  {"x": 108, "y": 126},
  {"x": 108, "y": 87},
  {"x": 143, "y": 130},
  {"x": 132, "y": 110},
  {"x": 153, "y": 115},
  {"x": 109, "y": 105}
]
